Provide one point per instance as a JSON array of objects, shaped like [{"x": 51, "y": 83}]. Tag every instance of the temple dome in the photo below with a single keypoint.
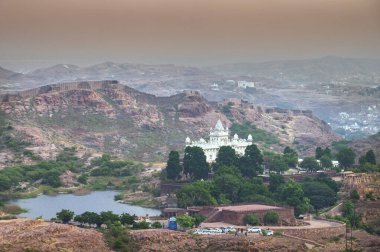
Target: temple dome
[
  {"x": 219, "y": 126},
  {"x": 249, "y": 137}
]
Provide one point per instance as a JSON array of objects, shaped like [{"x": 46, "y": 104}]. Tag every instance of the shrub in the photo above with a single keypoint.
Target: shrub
[
  {"x": 141, "y": 225},
  {"x": 271, "y": 217},
  {"x": 354, "y": 195},
  {"x": 156, "y": 224},
  {"x": 251, "y": 219}
]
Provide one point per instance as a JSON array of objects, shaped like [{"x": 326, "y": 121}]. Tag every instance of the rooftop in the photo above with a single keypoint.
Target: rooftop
[{"x": 252, "y": 207}]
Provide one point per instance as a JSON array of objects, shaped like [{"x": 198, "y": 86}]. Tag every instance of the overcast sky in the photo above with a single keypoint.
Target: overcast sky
[{"x": 192, "y": 32}]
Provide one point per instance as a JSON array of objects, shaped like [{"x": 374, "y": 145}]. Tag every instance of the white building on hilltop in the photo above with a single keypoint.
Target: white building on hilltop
[
  {"x": 246, "y": 84},
  {"x": 219, "y": 137}
]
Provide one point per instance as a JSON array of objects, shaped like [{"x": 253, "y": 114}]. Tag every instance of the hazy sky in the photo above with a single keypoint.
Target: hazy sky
[{"x": 194, "y": 32}]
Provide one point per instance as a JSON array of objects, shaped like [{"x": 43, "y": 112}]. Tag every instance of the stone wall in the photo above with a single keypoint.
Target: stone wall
[
  {"x": 363, "y": 183},
  {"x": 316, "y": 234},
  {"x": 171, "y": 188},
  {"x": 17, "y": 95},
  {"x": 235, "y": 217}
]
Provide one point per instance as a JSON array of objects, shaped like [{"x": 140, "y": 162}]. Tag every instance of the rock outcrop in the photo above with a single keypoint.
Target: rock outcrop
[
  {"x": 106, "y": 116},
  {"x": 36, "y": 235}
]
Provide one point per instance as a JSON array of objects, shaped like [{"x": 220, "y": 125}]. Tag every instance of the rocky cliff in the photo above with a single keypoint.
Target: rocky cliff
[{"x": 105, "y": 116}]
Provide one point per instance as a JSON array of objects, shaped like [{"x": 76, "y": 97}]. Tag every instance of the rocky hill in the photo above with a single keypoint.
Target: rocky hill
[
  {"x": 105, "y": 116},
  {"x": 317, "y": 70},
  {"x": 361, "y": 146},
  {"x": 8, "y": 77},
  {"x": 36, "y": 235}
]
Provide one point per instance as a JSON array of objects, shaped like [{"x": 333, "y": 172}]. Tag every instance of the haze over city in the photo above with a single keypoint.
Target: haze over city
[{"x": 46, "y": 32}]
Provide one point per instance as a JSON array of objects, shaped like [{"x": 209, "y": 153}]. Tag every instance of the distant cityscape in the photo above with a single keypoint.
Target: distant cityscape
[{"x": 356, "y": 125}]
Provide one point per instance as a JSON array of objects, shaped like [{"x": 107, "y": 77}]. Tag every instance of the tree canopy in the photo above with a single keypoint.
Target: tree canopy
[
  {"x": 65, "y": 215},
  {"x": 277, "y": 163},
  {"x": 226, "y": 157},
  {"x": 195, "y": 164},
  {"x": 346, "y": 157},
  {"x": 292, "y": 194},
  {"x": 250, "y": 164},
  {"x": 290, "y": 157},
  {"x": 310, "y": 164},
  {"x": 173, "y": 169},
  {"x": 196, "y": 194}
]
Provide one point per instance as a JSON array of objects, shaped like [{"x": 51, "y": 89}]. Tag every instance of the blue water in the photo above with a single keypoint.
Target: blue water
[{"x": 98, "y": 201}]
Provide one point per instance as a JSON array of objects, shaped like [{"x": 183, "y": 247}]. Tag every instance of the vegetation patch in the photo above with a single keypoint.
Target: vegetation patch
[{"x": 258, "y": 135}]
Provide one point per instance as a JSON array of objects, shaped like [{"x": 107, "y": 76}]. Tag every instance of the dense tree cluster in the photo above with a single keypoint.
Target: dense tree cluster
[
  {"x": 369, "y": 158},
  {"x": 47, "y": 172},
  {"x": 321, "y": 191},
  {"x": 92, "y": 218},
  {"x": 346, "y": 157},
  {"x": 187, "y": 221},
  {"x": 235, "y": 180},
  {"x": 104, "y": 166}
]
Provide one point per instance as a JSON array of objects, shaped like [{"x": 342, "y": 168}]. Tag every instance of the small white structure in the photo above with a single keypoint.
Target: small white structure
[
  {"x": 215, "y": 86},
  {"x": 245, "y": 84},
  {"x": 220, "y": 137}
]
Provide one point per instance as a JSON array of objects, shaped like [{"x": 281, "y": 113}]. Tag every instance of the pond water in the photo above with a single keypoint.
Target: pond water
[{"x": 47, "y": 206}]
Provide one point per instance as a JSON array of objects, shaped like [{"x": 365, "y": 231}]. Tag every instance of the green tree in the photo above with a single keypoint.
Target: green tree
[
  {"x": 347, "y": 208},
  {"x": 5, "y": 182},
  {"x": 327, "y": 152},
  {"x": 354, "y": 195},
  {"x": 195, "y": 164},
  {"x": 127, "y": 219},
  {"x": 290, "y": 156},
  {"x": 65, "y": 215},
  {"x": 318, "y": 152},
  {"x": 277, "y": 163},
  {"x": 141, "y": 225},
  {"x": 370, "y": 157},
  {"x": 196, "y": 194},
  {"x": 292, "y": 194},
  {"x": 79, "y": 218},
  {"x": 254, "y": 189},
  {"x": 275, "y": 182},
  {"x": 156, "y": 224},
  {"x": 251, "y": 219},
  {"x": 362, "y": 160},
  {"x": 271, "y": 218},
  {"x": 108, "y": 217},
  {"x": 310, "y": 164},
  {"x": 326, "y": 161},
  {"x": 52, "y": 178},
  {"x": 173, "y": 169},
  {"x": 319, "y": 194},
  {"x": 346, "y": 157},
  {"x": 185, "y": 221},
  {"x": 198, "y": 219},
  {"x": 226, "y": 157},
  {"x": 92, "y": 218},
  {"x": 228, "y": 184},
  {"x": 250, "y": 163},
  {"x": 83, "y": 178}
]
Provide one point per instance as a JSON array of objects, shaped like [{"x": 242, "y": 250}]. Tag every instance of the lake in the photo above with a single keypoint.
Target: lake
[{"x": 98, "y": 201}]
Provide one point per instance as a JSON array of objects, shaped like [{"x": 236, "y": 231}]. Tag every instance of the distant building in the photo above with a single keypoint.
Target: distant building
[
  {"x": 220, "y": 137},
  {"x": 215, "y": 86},
  {"x": 245, "y": 84}
]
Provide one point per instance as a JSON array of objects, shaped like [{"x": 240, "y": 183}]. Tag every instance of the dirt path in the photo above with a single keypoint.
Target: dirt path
[{"x": 312, "y": 225}]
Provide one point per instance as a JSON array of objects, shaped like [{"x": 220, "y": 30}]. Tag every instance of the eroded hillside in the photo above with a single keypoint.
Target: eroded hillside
[
  {"x": 104, "y": 116},
  {"x": 36, "y": 235}
]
